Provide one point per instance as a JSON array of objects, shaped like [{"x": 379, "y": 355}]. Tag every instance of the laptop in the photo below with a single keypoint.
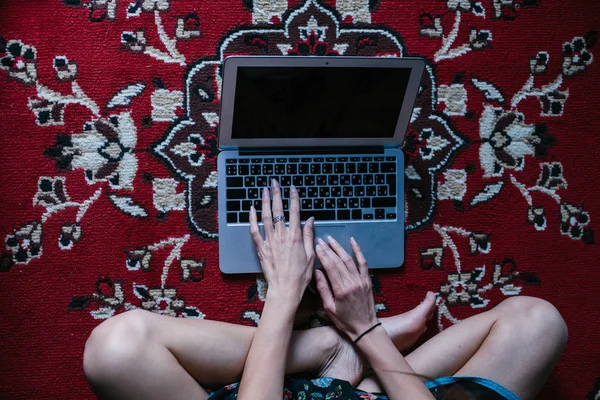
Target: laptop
[{"x": 330, "y": 126}]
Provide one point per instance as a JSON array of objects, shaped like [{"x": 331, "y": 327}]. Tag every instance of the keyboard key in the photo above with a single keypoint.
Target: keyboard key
[
  {"x": 301, "y": 192},
  {"x": 261, "y": 181},
  {"x": 315, "y": 169},
  {"x": 231, "y": 170},
  {"x": 361, "y": 168},
  {"x": 269, "y": 160},
  {"x": 343, "y": 159},
  {"x": 235, "y": 182},
  {"x": 359, "y": 191},
  {"x": 373, "y": 168},
  {"x": 390, "y": 216},
  {"x": 321, "y": 180},
  {"x": 330, "y": 159},
  {"x": 356, "y": 214},
  {"x": 305, "y": 160},
  {"x": 336, "y": 191},
  {"x": 255, "y": 169},
  {"x": 327, "y": 168},
  {"x": 232, "y": 218},
  {"x": 244, "y": 161},
  {"x": 294, "y": 160},
  {"x": 280, "y": 169},
  {"x": 281, "y": 160},
  {"x": 354, "y": 203},
  {"x": 382, "y": 190},
  {"x": 236, "y": 194},
  {"x": 292, "y": 169},
  {"x": 319, "y": 159},
  {"x": 320, "y": 215},
  {"x": 371, "y": 191},
  {"x": 343, "y": 215},
  {"x": 367, "y": 179},
  {"x": 246, "y": 205},
  {"x": 267, "y": 169},
  {"x": 259, "y": 216},
  {"x": 253, "y": 193},
  {"x": 342, "y": 203},
  {"x": 249, "y": 181},
  {"x": 324, "y": 192},
  {"x": 306, "y": 204},
  {"x": 384, "y": 202},
  {"x": 379, "y": 179},
  {"x": 243, "y": 170},
  {"x": 388, "y": 167},
  {"x": 350, "y": 168},
  {"x": 231, "y": 161},
  {"x": 347, "y": 191},
  {"x": 345, "y": 180},
  {"x": 333, "y": 180},
  {"x": 390, "y": 158},
  {"x": 365, "y": 202},
  {"x": 329, "y": 203},
  {"x": 286, "y": 180},
  {"x": 368, "y": 216},
  {"x": 286, "y": 204},
  {"x": 257, "y": 204},
  {"x": 391, "y": 181},
  {"x": 233, "y": 205},
  {"x": 297, "y": 180},
  {"x": 378, "y": 158},
  {"x": 356, "y": 179},
  {"x": 309, "y": 180},
  {"x": 244, "y": 217},
  {"x": 286, "y": 192},
  {"x": 338, "y": 168},
  {"x": 354, "y": 158},
  {"x": 318, "y": 203},
  {"x": 313, "y": 192},
  {"x": 367, "y": 158},
  {"x": 303, "y": 169},
  {"x": 379, "y": 213},
  {"x": 256, "y": 160}
]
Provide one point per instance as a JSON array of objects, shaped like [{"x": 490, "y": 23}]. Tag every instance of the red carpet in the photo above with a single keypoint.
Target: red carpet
[{"x": 109, "y": 118}]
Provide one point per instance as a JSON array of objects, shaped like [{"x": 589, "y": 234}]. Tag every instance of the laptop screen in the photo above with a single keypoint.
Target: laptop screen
[{"x": 318, "y": 102}]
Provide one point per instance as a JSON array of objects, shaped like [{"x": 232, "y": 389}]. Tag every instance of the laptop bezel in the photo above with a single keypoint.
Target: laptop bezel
[{"x": 232, "y": 63}]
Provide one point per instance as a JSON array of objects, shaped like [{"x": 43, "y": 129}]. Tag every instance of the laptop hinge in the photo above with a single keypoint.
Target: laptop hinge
[{"x": 314, "y": 150}]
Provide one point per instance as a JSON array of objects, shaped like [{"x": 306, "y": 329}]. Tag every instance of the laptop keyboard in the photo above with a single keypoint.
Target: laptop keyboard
[{"x": 331, "y": 188}]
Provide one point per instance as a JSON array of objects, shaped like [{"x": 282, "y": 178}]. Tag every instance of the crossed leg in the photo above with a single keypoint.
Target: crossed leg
[{"x": 140, "y": 354}]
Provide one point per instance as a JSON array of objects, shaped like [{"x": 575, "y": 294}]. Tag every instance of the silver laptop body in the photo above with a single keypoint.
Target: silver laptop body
[{"x": 332, "y": 127}]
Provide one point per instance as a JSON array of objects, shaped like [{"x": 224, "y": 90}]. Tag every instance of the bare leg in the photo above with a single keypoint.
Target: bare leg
[
  {"x": 516, "y": 344},
  {"x": 139, "y": 354}
]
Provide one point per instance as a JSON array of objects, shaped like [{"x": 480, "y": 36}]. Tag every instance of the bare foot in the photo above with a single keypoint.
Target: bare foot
[{"x": 345, "y": 363}]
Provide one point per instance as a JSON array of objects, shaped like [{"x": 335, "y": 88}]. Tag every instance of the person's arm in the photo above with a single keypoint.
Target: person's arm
[
  {"x": 351, "y": 306},
  {"x": 287, "y": 258}
]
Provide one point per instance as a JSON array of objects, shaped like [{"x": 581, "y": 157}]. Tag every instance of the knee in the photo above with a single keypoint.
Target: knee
[
  {"x": 536, "y": 317},
  {"x": 115, "y": 344}
]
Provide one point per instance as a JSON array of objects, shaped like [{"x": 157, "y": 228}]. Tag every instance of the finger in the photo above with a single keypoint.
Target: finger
[
  {"x": 267, "y": 216},
  {"x": 295, "y": 211},
  {"x": 277, "y": 206},
  {"x": 324, "y": 290},
  {"x": 363, "y": 268},
  {"x": 328, "y": 263},
  {"x": 343, "y": 255},
  {"x": 254, "y": 231},
  {"x": 309, "y": 238}
]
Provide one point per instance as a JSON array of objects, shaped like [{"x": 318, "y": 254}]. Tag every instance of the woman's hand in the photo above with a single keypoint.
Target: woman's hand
[
  {"x": 286, "y": 254},
  {"x": 349, "y": 302}
]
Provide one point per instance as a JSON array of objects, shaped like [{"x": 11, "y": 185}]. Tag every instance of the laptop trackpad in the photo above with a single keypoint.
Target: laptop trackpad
[{"x": 335, "y": 231}]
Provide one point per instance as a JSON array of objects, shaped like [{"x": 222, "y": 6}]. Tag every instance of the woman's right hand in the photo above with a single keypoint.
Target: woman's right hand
[{"x": 349, "y": 301}]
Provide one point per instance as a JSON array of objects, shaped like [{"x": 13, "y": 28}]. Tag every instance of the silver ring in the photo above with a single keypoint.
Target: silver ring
[{"x": 279, "y": 218}]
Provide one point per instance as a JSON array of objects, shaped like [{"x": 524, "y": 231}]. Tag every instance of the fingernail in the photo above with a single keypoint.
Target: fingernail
[
  {"x": 265, "y": 192},
  {"x": 293, "y": 189},
  {"x": 319, "y": 247},
  {"x": 352, "y": 240},
  {"x": 331, "y": 240},
  {"x": 322, "y": 242},
  {"x": 274, "y": 182},
  {"x": 311, "y": 221},
  {"x": 252, "y": 210}
]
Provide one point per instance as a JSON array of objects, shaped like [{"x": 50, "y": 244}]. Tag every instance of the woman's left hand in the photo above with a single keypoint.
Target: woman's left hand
[{"x": 286, "y": 254}]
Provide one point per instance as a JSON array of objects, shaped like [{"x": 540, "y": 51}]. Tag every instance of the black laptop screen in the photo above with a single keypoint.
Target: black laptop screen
[{"x": 314, "y": 102}]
